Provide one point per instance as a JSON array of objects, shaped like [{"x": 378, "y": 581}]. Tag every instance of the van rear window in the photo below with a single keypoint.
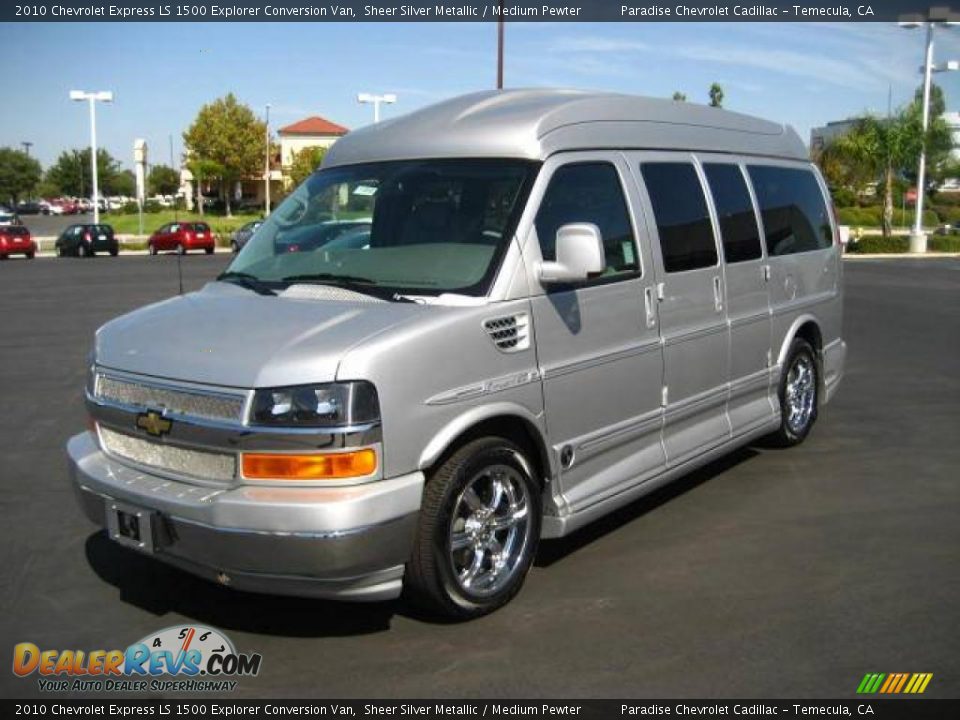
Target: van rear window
[
  {"x": 680, "y": 210},
  {"x": 792, "y": 208},
  {"x": 738, "y": 224}
]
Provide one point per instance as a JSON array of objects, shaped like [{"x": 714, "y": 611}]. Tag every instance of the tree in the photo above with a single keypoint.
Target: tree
[
  {"x": 19, "y": 174},
  {"x": 938, "y": 105},
  {"x": 884, "y": 147},
  {"x": 203, "y": 171},
  {"x": 227, "y": 133},
  {"x": 305, "y": 162},
  {"x": 122, "y": 183},
  {"x": 679, "y": 96},
  {"x": 71, "y": 172},
  {"x": 716, "y": 95},
  {"x": 163, "y": 180}
]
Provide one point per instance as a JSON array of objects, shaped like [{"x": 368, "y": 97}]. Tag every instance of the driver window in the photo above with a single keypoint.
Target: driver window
[{"x": 589, "y": 193}]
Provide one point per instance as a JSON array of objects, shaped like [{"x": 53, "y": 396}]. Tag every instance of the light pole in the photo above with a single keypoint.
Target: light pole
[
  {"x": 500, "y": 28},
  {"x": 26, "y": 144},
  {"x": 91, "y": 98},
  {"x": 266, "y": 172},
  {"x": 918, "y": 238},
  {"x": 389, "y": 99}
]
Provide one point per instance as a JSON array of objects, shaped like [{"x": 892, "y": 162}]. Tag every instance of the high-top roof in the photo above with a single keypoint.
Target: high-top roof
[
  {"x": 535, "y": 124},
  {"x": 313, "y": 125}
]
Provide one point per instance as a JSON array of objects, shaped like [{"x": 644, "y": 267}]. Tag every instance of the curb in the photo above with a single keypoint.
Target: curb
[{"x": 901, "y": 256}]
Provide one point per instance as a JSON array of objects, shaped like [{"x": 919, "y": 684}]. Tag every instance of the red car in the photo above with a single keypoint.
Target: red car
[
  {"x": 16, "y": 240},
  {"x": 181, "y": 237}
]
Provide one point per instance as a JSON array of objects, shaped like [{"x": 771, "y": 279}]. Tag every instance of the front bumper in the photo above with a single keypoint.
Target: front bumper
[{"x": 348, "y": 542}]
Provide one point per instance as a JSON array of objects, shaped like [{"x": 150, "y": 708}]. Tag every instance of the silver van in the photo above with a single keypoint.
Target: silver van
[{"x": 488, "y": 322}]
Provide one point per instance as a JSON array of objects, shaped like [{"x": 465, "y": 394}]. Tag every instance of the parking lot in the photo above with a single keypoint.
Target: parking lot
[{"x": 775, "y": 573}]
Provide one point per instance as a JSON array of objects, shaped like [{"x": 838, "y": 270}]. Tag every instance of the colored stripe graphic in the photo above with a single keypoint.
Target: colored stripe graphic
[{"x": 894, "y": 683}]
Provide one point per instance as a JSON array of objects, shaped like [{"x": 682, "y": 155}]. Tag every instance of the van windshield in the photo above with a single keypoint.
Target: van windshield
[{"x": 417, "y": 227}]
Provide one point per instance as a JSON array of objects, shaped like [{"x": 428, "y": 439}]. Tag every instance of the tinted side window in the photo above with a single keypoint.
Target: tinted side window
[
  {"x": 588, "y": 192},
  {"x": 680, "y": 210},
  {"x": 738, "y": 224},
  {"x": 791, "y": 205}
]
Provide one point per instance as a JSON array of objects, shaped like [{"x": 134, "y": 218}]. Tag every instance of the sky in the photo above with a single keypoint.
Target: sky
[{"x": 162, "y": 73}]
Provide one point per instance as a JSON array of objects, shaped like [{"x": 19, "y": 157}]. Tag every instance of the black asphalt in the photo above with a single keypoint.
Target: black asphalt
[{"x": 780, "y": 573}]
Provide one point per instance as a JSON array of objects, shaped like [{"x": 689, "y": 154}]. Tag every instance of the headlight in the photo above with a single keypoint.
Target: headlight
[{"x": 327, "y": 405}]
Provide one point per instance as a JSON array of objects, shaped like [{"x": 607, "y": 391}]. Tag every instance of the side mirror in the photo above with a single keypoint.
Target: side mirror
[{"x": 580, "y": 255}]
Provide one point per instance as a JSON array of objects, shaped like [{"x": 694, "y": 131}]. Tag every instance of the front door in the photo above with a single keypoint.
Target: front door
[
  {"x": 693, "y": 318},
  {"x": 597, "y": 342}
]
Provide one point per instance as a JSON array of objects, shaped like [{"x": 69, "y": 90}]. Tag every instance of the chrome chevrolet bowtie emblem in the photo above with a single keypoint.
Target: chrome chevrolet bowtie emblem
[{"x": 154, "y": 423}]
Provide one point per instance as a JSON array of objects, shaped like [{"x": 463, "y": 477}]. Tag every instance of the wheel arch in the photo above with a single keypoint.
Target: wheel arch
[
  {"x": 806, "y": 326},
  {"x": 508, "y": 420}
]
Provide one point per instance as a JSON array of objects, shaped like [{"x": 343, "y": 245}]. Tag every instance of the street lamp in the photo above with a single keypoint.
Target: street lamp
[
  {"x": 266, "y": 173},
  {"x": 26, "y": 144},
  {"x": 389, "y": 99},
  {"x": 918, "y": 239},
  {"x": 92, "y": 98}
]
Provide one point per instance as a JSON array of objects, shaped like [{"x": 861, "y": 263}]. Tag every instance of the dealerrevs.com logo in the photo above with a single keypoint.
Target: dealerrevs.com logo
[{"x": 181, "y": 658}]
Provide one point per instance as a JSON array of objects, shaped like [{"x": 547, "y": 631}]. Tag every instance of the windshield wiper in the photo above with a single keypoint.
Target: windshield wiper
[
  {"x": 329, "y": 277},
  {"x": 362, "y": 285},
  {"x": 251, "y": 282}
]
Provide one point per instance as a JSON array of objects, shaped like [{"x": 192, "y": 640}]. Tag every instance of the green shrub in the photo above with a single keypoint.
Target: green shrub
[
  {"x": 872, "y": 217},
  {"x": 879, "y": 244},
  {"x": 152, "y": 206},
  {"x": 944, "y": 243},
  {"x": 844, "y": 197}
]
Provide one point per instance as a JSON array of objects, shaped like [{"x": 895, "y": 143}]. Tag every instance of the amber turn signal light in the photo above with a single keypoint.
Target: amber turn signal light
[{"x": 318, "y": 466}]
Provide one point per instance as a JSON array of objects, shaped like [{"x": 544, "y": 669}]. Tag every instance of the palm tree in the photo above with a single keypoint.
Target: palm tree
[{"x": 716, "y": 95}]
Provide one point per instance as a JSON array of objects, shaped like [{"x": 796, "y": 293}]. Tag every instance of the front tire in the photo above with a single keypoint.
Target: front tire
[
  {"x": 799, "y": 394},
  {"x": 478, "y": 531},
  {"x": 84, "y": 251},
  {"x": 181, "y": 250}
]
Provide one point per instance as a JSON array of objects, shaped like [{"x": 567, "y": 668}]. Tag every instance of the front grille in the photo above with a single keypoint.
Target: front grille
[
  {"x": 182, "y": 401},
  {"x": 201, "y": 464},
  {"x": 509, "y": 333}
]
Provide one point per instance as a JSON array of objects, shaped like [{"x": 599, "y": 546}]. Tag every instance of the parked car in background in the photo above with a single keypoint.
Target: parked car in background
[
  {"x": 241, "y": 235},
  {"x": 86, "y": 240},
  {"x": 16, "y": 240},
  {"x": 8, "y": 218},
  {"x": 182, "y": 237},
  {"x": 29, "y": 207}
]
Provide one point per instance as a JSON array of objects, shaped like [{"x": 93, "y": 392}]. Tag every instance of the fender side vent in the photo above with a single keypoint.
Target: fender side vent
[{"x": 510, "y": 333}]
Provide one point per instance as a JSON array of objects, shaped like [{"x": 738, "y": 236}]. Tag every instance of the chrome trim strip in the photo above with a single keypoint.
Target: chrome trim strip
[
  {"x": 789, "y": 306},
  {"x": 629, "y": 351},
  {"x": 695, "y": 403},
  {"x": 484, "y": 387},
  {"x": 753, "y": 381},
  {"x": 695, "y": 333},
  {"x": 749, "y": 318},
  {"x": 601, "y": 440}
]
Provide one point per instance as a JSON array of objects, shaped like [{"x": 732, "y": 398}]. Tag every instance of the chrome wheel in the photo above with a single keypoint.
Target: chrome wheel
[
  {"x": 489, "y": 530},
  {"x": 800, "y": 393}
]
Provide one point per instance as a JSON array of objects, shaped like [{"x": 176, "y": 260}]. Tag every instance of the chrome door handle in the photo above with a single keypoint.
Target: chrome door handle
[
  {"x": 717, "y": 298},
  {"x": 648, "y": 306},
  {"x": 766, "y": 273}
]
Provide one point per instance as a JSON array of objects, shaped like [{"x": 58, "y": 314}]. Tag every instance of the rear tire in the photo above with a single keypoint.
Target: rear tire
[
  {"x": 234, "y": 248},
  {"x": 478, "y": 531},
  {"x": 799, "y": 394},
  {"x": 30, "y": 255},
  {"x": 181, "y": 250},
  {"x": 84, "y": 251},
  {"x": 208, "y": 251},
  {"x": 152, "y": 249},
  {"x": 114, "y": 252}
]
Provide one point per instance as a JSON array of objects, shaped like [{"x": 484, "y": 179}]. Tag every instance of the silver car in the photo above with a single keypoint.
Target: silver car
[{"x": 560, "y": 301}]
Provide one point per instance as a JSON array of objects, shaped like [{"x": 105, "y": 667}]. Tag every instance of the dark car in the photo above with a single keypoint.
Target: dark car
[
  {"x": 181, "y": 237},
  {"x": 243, "y": 234},
  {"x": 87, "y": 240},
  {"x": 29, "y": 208},
  {"x": 16, "y": 240}
]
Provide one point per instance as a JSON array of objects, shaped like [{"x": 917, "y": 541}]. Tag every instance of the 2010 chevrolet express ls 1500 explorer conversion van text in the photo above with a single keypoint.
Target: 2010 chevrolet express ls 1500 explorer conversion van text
[{"x": 489, "y": 321}]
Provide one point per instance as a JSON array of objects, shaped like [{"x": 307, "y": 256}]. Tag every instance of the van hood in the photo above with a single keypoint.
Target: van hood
[{"x": 227, "y": 335}]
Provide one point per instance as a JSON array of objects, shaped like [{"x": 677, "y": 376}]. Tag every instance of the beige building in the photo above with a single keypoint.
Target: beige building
[{"x": 310, "y": 132}]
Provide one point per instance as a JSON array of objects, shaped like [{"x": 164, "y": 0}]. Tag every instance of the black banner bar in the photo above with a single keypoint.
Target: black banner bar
[
  {"x": 866, "y": 707},
  {"x": 454, "y": 11}
]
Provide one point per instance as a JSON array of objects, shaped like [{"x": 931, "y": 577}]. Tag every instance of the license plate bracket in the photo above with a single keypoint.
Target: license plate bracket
[{"x": 131, "y": 526}]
